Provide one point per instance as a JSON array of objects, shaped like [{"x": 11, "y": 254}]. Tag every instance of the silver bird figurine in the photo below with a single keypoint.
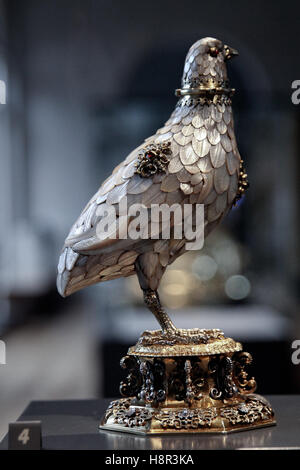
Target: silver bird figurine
[{"x": 192, "y": 159}]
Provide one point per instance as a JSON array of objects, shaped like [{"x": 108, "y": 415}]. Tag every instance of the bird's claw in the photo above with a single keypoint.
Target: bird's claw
[{"x": 184, "y": 336}]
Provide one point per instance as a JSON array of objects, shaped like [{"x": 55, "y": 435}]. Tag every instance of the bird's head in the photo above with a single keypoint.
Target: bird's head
[{"x": 206, "y": 61}]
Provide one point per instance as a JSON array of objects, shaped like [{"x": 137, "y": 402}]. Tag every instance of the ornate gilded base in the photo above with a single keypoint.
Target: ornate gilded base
[{"x": 185, "y": 386}]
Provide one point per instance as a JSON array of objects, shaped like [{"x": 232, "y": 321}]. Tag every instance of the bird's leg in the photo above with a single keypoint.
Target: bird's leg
[
  {"x": 152, "y": 301},
  {"x": 149, "y": 272},
  {"x": 169, "y": 330}
]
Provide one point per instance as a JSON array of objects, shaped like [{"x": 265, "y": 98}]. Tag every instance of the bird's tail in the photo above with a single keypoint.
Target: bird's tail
[{"x": 67, "y": 260}]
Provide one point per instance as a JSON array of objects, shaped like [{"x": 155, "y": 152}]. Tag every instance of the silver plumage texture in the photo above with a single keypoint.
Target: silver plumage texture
[{"x": 203, "y": 168}]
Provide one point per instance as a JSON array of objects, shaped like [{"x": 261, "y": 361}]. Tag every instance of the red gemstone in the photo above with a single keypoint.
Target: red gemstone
[
  {"x": 214, "y": 51},
  {"x": 149, "y": 155}
]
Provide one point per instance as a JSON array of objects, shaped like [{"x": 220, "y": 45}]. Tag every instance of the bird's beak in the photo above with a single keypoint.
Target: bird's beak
[{"x": 230, "y": 52}]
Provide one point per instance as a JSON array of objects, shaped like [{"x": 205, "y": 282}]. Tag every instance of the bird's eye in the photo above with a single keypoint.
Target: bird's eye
[{"x": 213, "y": 51}]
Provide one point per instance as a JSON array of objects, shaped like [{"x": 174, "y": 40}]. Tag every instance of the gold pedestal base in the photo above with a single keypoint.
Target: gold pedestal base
[{"x": 196, "y": 383}]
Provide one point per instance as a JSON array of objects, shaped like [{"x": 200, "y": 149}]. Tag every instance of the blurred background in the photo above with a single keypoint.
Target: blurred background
[{"x": 82, "y": 83}]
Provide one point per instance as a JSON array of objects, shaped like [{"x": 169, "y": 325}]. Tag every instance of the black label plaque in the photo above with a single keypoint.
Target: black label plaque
[{"x": 25, "y": 435}]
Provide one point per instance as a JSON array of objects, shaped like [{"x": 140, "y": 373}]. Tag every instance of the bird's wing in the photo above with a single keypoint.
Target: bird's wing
[
  {"x": 110, "y": 192},
  {"x": 203, "y": 168},
  {"x": 124, "y": 182}
]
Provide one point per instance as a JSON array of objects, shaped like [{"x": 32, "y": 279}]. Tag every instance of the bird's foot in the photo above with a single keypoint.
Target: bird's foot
[
  {"x": 173, "y": 336},
  {"x": 182, "y": 336}
]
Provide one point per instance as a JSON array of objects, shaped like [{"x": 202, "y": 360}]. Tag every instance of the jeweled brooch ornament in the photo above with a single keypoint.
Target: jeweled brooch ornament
[
  {"x": 178, "y": 380},
  {"x": 153, "y": 159}
]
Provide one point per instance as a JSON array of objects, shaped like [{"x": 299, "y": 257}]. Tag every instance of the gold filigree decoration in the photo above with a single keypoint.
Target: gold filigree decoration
[
  {"x": 249, "y": 412},
  {"x": 187, "y": 418},
  {"x": 204, "y": 82},
  {"x": 187, "y": 392},
  {"x": 133, "y": 417},
  {"x": 205, "y": 100},
  {"x": 243, "y": 183},
  {"x": 127, "y": 415},
  {"x": 195, "y": 336},
  {"x": 153, "y": 159},
  {"x": 188, "y": 381},
  {"x": 253, "y": 410},
  {"x": 155, "y": 344},
  {"x": 245, "y": 384},
  {"x": 204, "y": 91}
]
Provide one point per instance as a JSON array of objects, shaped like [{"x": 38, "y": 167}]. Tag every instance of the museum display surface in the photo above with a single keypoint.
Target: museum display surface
[
  {"x": 179, "y": 380},
  {"x": 73, "y": 424}
]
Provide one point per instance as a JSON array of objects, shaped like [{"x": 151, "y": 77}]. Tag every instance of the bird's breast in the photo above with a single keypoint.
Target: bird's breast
[{"x": 205, "y": 160}]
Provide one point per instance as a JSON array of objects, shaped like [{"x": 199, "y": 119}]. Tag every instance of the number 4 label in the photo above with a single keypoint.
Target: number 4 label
[{"x": 25, "y": 435}]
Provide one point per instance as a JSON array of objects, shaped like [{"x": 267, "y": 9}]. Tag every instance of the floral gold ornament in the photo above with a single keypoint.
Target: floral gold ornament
[
  {"x": 243, "y": 183},
  {"x": 178, "y": 380},
  {"x": 153, "y": 159}
]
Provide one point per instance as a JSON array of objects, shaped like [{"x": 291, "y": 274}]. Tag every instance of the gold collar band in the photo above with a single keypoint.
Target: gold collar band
[{"x": 200, "y": 91}]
